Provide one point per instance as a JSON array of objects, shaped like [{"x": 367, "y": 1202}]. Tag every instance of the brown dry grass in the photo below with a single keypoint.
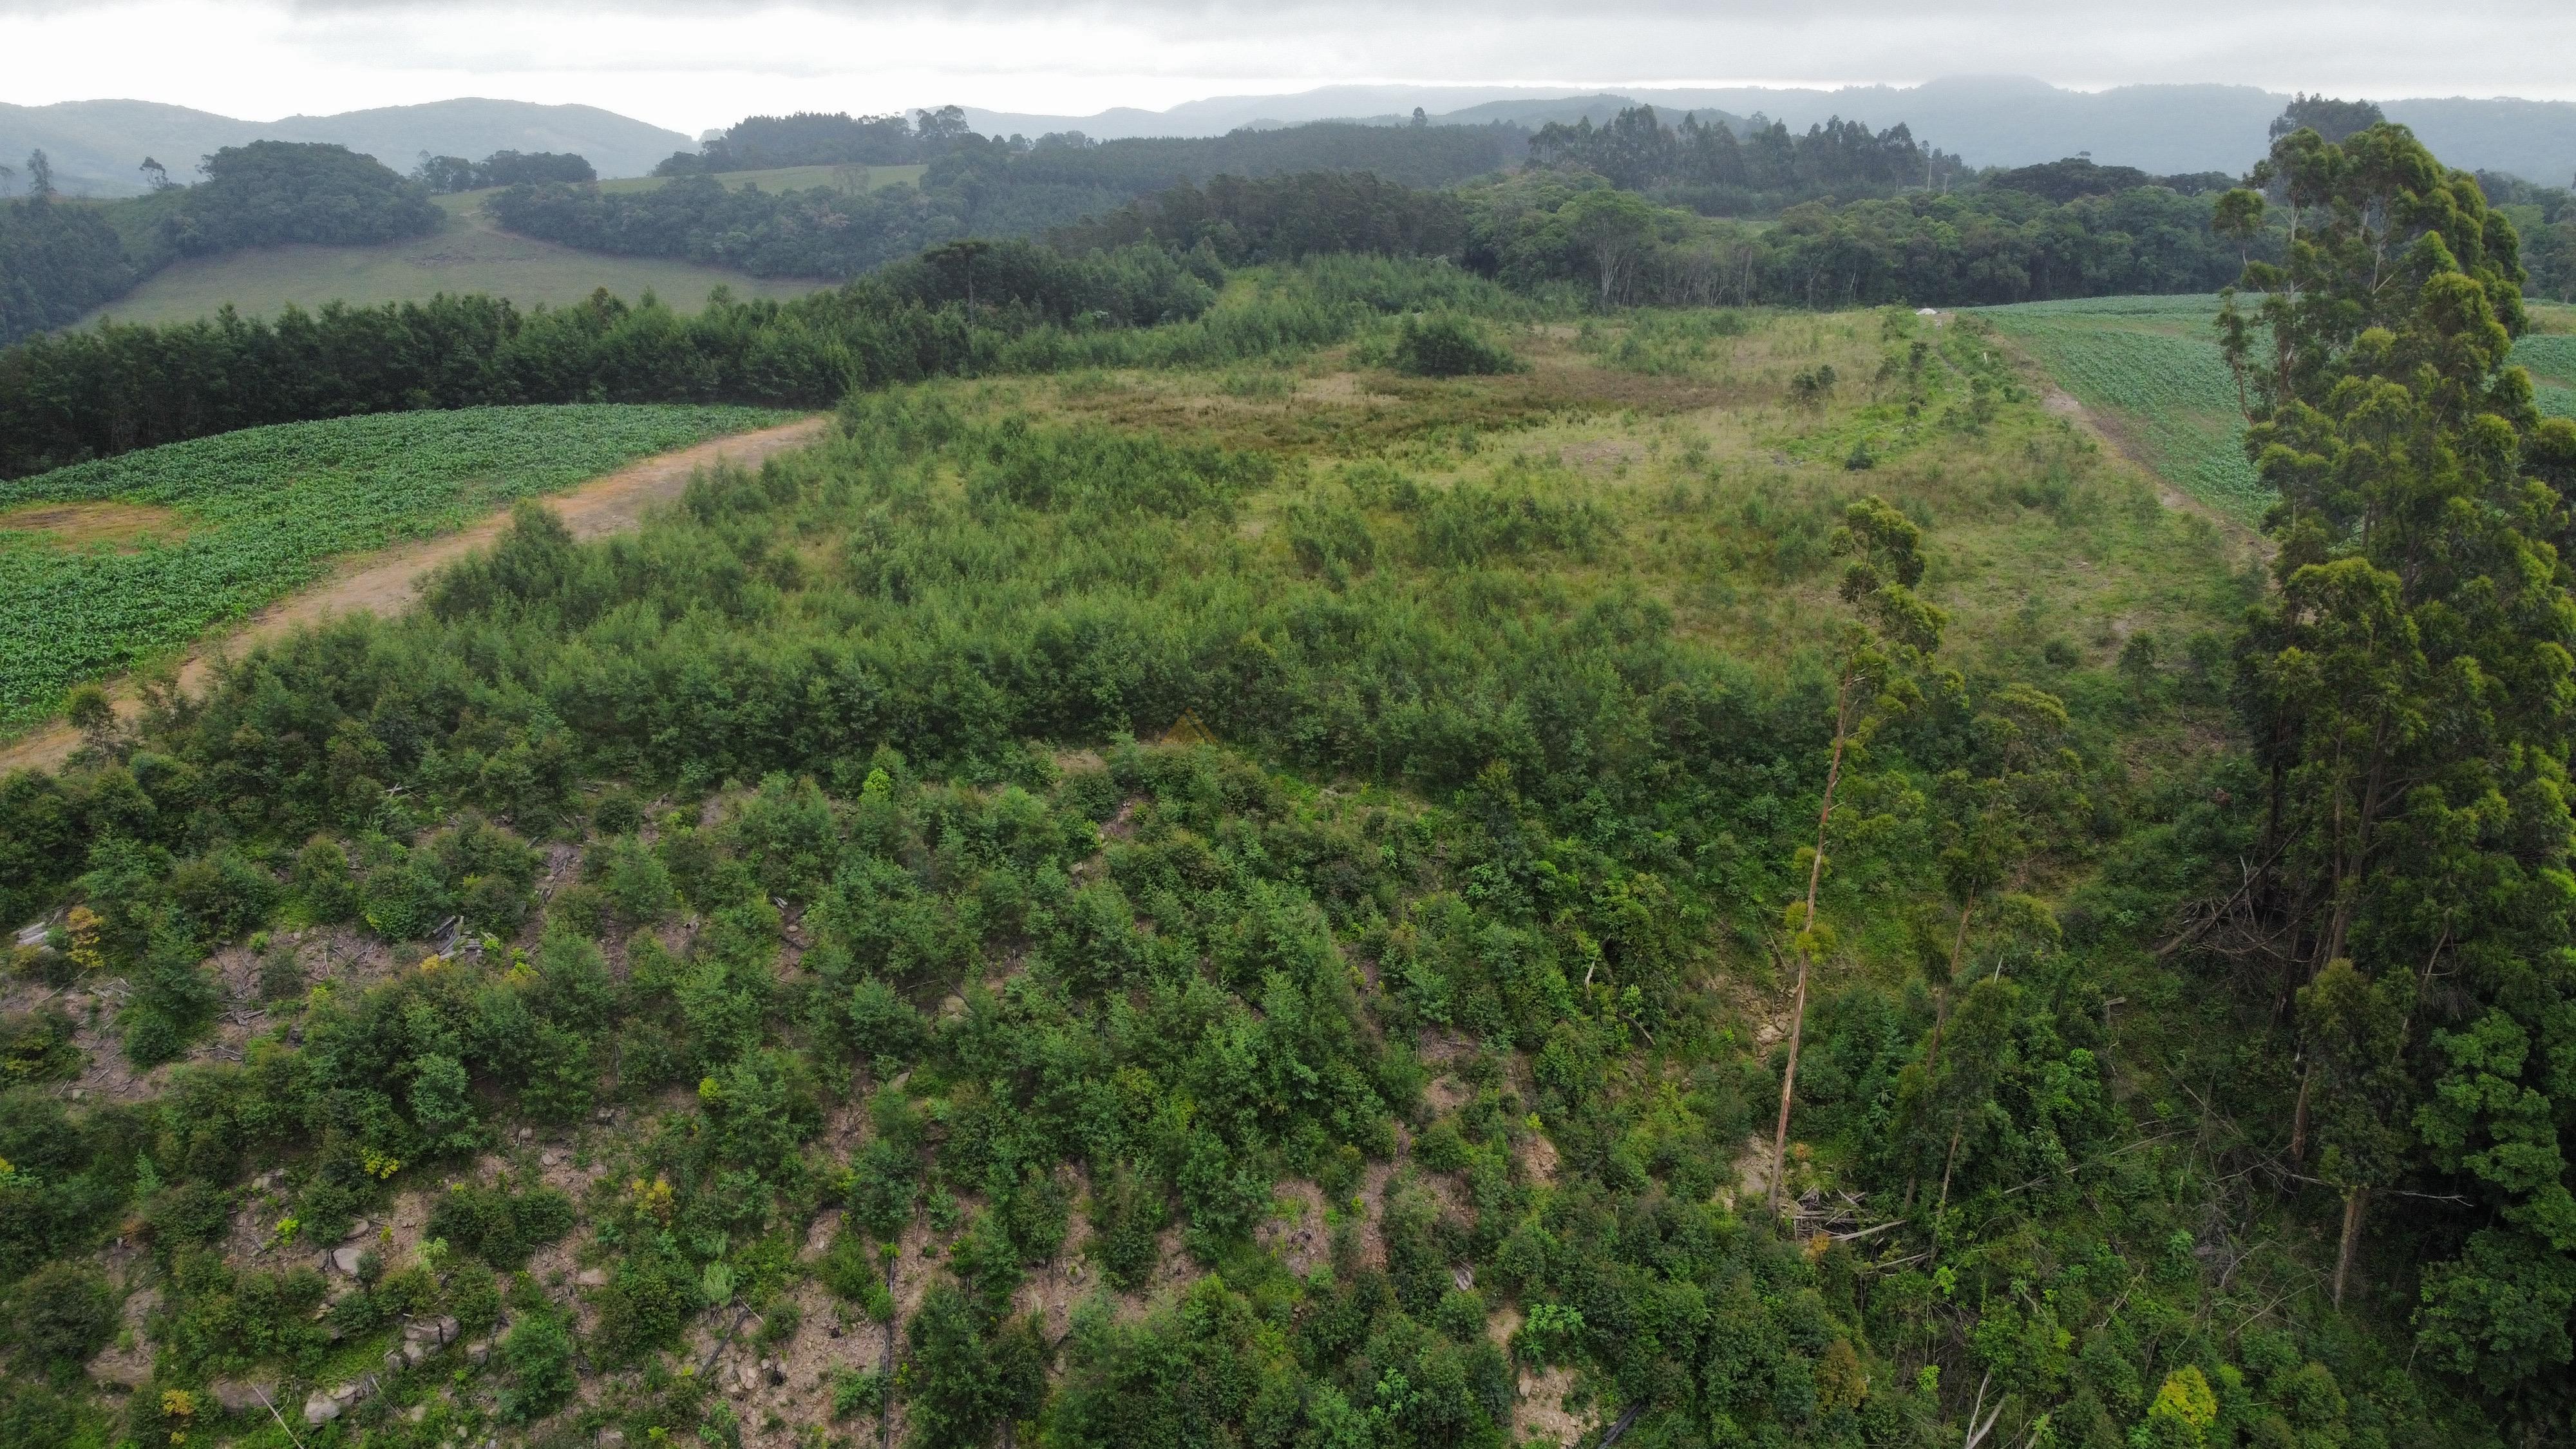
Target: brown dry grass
[{"x": 124, "y": 527}]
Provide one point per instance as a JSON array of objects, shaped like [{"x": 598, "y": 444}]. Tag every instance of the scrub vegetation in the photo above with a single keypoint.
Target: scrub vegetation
[{"x": 1381, "y": 857}]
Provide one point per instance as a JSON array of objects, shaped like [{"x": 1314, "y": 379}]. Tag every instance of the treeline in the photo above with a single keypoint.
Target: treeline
[
  {"x": 445, "y": 174},
  {"x": 1708, "y": 168},
  {"x": 1977, "y": 248},
  {"x": 1546, "y": 229},
  {"x": 57, "y": 260},
  {"x": 1283, "y": 218},
  {"x": 816, "y": 233},
  {"x": 64, "y": 258},
  {"x": 988, "y": 188},
  {"x": 814, "y": 138},
  {"x": 970, "y": 308},
  {"x": 2546, "y": 218}
]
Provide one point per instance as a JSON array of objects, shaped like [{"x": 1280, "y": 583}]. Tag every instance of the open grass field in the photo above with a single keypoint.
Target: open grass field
[
  {"x": 469, "y": 254},
  {"x": 1676, "y": 452},
  {"x": 2149, "y": 369},
  {"x": 109, "y": 564}
]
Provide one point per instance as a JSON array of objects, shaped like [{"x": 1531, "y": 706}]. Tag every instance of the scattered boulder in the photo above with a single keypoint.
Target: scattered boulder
[
  {"x": 320, "y": 1409},
  {"x": 611, "y": 1438},
  {"x": 243, "y": 1396},
  {"x": 342, "y": 1260},
  {"x": 591, "y": 1278}
]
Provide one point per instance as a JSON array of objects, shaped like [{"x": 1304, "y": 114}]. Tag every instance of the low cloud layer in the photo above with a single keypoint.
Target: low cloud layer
[{"x": 691, "y": 67}]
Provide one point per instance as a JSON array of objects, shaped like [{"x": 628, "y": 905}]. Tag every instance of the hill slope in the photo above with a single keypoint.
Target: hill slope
[
  {"x": 1990, "y": 120},
  {"x": 469, "y": 254},
  {"x": 1376, "y": 1073}
]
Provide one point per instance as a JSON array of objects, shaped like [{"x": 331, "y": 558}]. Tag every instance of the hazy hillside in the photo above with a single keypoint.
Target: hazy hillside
[
  {"x": 95, "y": 145},
  {"x": 1992, "y": 120}
]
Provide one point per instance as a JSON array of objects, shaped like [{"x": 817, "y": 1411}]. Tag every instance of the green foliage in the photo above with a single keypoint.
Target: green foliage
[
  {"x": 58, "y": 1317},
  {"x": 259, "y": 513},
  {"x": 1446, "y": 345},
  {"x": 498, "y": 1224},
  {"x": 61, "y": 260},
  {"x": 537, "y": 1358}
]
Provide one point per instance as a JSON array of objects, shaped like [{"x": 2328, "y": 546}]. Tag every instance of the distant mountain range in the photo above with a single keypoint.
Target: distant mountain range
[
  {"x": 1990, "y": 120},
  {"x": 94, "y": 146}
]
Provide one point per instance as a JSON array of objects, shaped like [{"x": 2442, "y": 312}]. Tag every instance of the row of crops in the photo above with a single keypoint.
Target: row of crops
[
  {"x": 2150, "y": 367},
  {"x": 240, "y": 519}
]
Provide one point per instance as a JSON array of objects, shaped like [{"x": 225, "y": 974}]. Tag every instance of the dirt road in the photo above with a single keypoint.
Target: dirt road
[{"x": 386, "y": 581}]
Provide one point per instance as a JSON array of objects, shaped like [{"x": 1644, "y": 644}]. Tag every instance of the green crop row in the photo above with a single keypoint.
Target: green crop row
[
  {"x": 2150, "y": 367},
  {"x": 253, "y": 515}
]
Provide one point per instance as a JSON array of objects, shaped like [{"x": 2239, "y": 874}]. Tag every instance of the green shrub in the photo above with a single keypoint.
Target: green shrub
[
  {"x": 635, "y": 881},
  {"x": 222, "y": 895},
  {"x": 617, "y": 813},
  {"x": 37, "y": 1046},
  {"x": 322, "y": 880},
  {"x": 849, "y": 1269},
  {"x": 581, "y": 906},
  {"x": 1447, "y": 345},
  {"x": 537, "y": 1358},
  {"x": 192, "y": 1214},
  {"x": 497, "y": 1225},
  {"x": 58, "y": 1318}
]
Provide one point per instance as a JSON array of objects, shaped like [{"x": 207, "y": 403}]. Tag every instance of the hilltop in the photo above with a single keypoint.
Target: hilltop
[
  {"x": 1990, "y": 120},
  {"x": 95, "y": 145}
]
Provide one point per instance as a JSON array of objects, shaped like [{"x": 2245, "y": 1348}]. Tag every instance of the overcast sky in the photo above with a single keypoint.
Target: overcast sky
[{"x": 692, "y": 66}]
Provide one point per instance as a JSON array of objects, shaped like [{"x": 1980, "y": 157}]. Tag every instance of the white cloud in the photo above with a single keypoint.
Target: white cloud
[{"x": 693, "y": 66}]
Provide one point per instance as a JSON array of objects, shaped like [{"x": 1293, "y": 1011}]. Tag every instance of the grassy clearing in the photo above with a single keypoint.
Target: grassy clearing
[
  {"x": 108, "y": 564},
  {"x": 469, "y": 254},
  {"x": 2149, "y": 368},
  {"x": 1714, "y": 486}
]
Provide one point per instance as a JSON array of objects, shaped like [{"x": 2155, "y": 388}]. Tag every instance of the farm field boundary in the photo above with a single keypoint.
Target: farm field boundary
[
  {"x": 468, "y": 254},
  {"x": 2149, "y": 368},
  {"x": 383, "y": 581}
]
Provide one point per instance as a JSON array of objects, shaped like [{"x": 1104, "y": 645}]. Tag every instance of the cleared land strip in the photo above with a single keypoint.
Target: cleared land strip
[{"x": 385, "y": 582}]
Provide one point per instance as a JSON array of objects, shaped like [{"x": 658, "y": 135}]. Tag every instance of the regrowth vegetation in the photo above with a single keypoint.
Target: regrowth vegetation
[{"x": 1276, "y": 900}]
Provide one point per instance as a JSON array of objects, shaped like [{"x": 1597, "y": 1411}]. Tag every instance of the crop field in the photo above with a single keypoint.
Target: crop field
[
  {"x": 106, "y": 565},
  {"x": 2149, "y": 368},
  {"x": 469, "y": 254}
]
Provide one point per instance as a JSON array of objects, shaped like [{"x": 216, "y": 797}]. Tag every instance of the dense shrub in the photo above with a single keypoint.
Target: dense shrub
[
  {"x": 1448, "y": 346},
  {"x": 499, "y": 1224},
  {"x": 58, "y": 1317}
]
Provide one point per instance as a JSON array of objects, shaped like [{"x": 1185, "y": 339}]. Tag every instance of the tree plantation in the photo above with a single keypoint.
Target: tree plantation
[{"x": 1327, "y": 813}]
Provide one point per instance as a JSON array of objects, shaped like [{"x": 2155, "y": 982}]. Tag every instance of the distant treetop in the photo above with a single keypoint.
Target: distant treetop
[{"x": 2329, "y": 118}]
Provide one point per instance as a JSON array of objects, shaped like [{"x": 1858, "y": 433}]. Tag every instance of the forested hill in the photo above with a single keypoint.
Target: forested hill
[
  {"x": 95, "y": 145},
  {"x": 64, "y": 257},
  {"x": 973, "y": 186}
]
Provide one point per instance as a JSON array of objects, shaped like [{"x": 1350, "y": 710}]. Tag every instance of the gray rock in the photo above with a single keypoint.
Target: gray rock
[
  {"x": 320, "y": 1409},
  {"x": 242, "y": 1396},
  {"x": 612, "y": 1438},
  {"x": 478, "y": 1352},
  {"x": 591, "y": 1278},
  {"x": 345, "y": 1260}
]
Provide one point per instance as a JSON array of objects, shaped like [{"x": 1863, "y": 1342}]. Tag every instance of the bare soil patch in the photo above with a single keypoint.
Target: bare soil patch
[{"x": 125, "y": 527}]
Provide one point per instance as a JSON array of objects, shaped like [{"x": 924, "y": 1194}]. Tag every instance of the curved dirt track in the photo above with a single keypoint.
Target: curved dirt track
[{"x": 384, "y": 582}]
